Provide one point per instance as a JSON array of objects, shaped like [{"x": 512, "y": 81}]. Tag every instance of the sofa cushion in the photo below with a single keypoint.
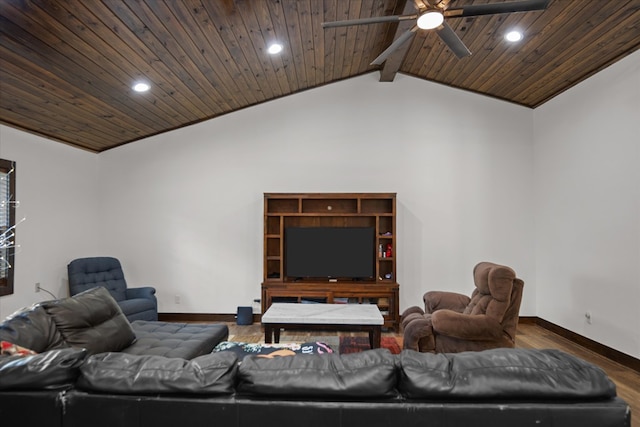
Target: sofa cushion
[
  {"x": 182, "y": 340},
  {"x": 501, "y": 373},
  {"x": 369, "y": 374},
  {"x": 123, "y": 373},
  {"x": 92, "y": 320},
  {"x": 51, "y": 369},
  {"x": 31, "y": 327}
]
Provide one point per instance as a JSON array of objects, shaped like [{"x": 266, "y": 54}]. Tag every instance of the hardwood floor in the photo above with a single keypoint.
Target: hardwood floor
[
  {"x": 529, "y": 336},
  {"x": 627, "y": 380}
]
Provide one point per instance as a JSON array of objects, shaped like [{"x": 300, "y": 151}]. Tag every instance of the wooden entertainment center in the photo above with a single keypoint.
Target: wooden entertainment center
[{"x": 374, "y": 210}]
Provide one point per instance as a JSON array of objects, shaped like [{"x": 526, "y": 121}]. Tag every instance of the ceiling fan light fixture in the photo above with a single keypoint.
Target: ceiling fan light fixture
[{"x": 430, "y": 19}]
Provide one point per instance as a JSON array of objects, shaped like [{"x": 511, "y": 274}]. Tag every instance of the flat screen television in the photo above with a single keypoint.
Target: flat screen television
[{"x": 329, "y": 252}]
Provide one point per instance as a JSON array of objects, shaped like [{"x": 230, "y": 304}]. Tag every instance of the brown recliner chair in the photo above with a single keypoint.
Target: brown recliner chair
[{"x": 452, "y": 322}]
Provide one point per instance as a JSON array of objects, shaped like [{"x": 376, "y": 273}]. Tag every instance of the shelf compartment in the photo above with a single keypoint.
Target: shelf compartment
[
  {"x": 282, "y": 206},
  {"x": 385, "y": 225},
  {"x": 272, "y": 225},
  {"x": 385, "y": 267},
  {"x": 376, "y": 206},
  {"x": 329, "y": 206},
  {"x": 273, "y": 247},
  {"x": 273, "y": 266},
  {"x": 328, "y": 221}
]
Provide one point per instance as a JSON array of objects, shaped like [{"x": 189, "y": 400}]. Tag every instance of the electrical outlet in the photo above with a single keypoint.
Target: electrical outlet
[
  {"x": 177, "y": 299},
  {"x": 38, "y": 287}
]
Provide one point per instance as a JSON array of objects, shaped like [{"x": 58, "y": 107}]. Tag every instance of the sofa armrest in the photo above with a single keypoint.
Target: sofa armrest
[
  {"x": 440, "y": 300},
  {"x": 51, "y": 369},
  {"x": 418, "y": 334},
  {"x": 465, "y": 326},
  {"x": 147, "y": 292},
  {"x": 410, "y": 314}
]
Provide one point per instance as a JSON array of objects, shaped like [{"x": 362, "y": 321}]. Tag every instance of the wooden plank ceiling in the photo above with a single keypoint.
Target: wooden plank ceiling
[{"x": 67, "y": 66}]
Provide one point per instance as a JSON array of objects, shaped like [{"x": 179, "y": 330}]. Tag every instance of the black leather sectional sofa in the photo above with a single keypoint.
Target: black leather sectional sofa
[{"x": 81, "y": 383}]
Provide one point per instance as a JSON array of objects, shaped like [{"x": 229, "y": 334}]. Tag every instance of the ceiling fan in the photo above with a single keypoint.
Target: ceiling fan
[{"x": 434, "y": 18}]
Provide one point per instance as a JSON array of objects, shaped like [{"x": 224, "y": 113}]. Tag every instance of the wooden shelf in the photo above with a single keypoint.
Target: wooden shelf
[{"x": 376, "y": 210}]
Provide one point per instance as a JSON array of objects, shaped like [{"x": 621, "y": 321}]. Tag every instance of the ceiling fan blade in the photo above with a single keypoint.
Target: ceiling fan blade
[
  {"x": 451, "y": 39},
  {"x": 496, "y": 8},
  {"x": 393, "y": 46},
  {"x": 365, "y": 21}
]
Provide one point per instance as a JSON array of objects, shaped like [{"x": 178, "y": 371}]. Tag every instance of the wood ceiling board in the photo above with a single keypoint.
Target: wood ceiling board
[{"x": 69, "y": 64}]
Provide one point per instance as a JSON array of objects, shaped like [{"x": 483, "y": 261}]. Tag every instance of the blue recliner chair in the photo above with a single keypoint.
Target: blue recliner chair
[{"x": 135, "y": 303}]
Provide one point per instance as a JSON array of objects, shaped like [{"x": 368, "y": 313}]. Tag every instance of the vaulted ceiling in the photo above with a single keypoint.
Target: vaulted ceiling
[{"x": 67, "y": 66}]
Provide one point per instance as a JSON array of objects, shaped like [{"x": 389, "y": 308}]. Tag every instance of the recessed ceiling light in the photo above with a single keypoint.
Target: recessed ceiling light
[
  {"x": 141, "y": 87},
  {"x": 275, "y": 48},
  {"x": 513, "y": 36}
]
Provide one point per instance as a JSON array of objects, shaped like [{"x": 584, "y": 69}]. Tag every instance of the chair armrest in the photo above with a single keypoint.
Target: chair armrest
[
  {"x": 440, "y": 300},
  {"x": 410, "y": 314},
  {"x": 412, "y": 310},
  {"x": 146, "y": 292},
  {"x": 416, "y": 330},
  {"x": 466, "y": 326}
]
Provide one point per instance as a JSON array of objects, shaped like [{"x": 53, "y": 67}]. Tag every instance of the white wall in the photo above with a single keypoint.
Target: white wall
[
  {"x": 56, "y": 187},
  {"x": 184, "y": 209},
  {"x": 587, "y": 199}
]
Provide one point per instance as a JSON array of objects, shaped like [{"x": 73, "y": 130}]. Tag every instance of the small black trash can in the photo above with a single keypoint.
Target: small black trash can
[{"x": 244, "y": 316}]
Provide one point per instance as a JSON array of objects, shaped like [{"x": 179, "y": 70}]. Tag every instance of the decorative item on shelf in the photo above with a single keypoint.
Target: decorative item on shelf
[{"x": 389, "y": 251}]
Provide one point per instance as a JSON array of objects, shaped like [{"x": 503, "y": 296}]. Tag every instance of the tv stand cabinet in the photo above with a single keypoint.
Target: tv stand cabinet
[{"x": 376, "y": 210}]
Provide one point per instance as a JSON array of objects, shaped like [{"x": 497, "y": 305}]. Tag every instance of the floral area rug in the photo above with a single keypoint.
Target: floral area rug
[
  {"x": 242, "y": 349},
  {"x": 358, "y": 344},
  {"x": 320, "y": 345}
]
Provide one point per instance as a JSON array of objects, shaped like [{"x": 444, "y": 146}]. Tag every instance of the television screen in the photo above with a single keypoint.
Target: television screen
[{"x": 330, "y": 252}]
